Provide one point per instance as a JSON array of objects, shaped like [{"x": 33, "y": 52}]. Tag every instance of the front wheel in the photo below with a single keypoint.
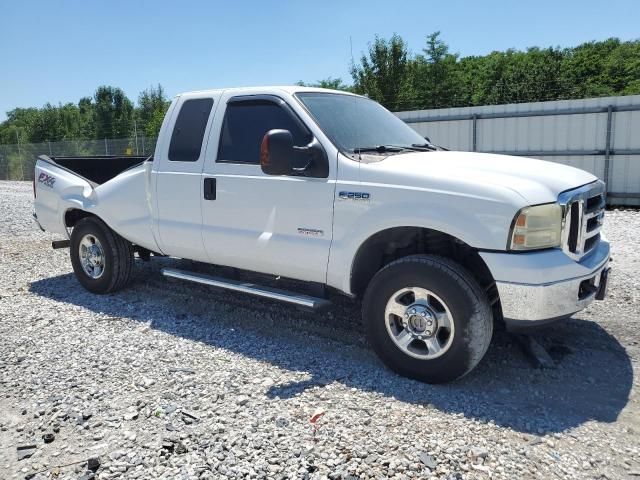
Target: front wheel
[
  {"x": 427, "y": 318},
  {"x": 102, "y": 260}
]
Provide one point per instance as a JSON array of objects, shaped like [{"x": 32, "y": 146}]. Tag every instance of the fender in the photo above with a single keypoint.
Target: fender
[{"x": 480, "y": 223}]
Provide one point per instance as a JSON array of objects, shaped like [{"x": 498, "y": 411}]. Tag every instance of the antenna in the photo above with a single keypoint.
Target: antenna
[{"x": 351, "y": 48}]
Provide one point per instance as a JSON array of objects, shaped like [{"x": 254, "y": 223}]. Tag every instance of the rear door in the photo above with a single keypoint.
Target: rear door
[
  {"x": 280, "y": 225},
  {"x": 177, "y": 173}
]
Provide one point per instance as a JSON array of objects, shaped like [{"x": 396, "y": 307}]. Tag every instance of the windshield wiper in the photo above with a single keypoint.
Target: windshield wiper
[
  {"x": 429, "y": 146},
  {"x": 424, "y": 146},
  {"x": 379, "y": 149},
  {"x": 414, "y": 147}
]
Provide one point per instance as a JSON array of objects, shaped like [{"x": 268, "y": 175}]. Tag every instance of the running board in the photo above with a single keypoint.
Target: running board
[{"x": 250, "y": 288}]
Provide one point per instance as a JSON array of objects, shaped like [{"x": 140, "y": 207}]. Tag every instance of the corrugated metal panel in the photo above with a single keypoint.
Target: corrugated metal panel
[
  {"x": 448, "y": 133},
  {"x": 549, "y": 128}
]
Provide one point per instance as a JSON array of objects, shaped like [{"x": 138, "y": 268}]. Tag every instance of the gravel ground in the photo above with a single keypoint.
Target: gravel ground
[{"x": 174, "y": 380}]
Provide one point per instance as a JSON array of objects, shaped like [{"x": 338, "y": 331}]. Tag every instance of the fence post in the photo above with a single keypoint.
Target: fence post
[
  {"x": 19, "y": 156},
  {"x": 106, "y": 148},
  {"x": 607, "y": 147},
  {"x": 135, "y": 132},
  {"x": 474, "y": 132}
]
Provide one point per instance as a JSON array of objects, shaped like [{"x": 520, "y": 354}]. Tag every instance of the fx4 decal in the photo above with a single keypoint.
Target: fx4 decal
[{"x": 46, "y": 180}]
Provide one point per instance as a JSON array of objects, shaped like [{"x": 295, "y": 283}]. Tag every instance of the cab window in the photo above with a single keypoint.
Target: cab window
[
  {"x": 188, "y": 132},
  {"x": 245, "y": 124}
]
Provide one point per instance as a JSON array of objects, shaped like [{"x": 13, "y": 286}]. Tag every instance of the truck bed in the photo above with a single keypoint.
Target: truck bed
[{"x": 96, "y": 169}]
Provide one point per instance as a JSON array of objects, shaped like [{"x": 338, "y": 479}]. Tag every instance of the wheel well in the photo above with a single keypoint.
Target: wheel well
[
  {"x": 388, "y": 245},
  {"x": 74, "y": 215}
]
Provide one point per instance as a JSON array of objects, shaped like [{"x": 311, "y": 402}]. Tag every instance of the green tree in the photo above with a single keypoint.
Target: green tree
[
  {"x": 436, "y": 76},
  {"x": 382, "y": 73},
  {"x": 329, "y": 82},
  {"x": 610, "y": 67},
  {"x": 86, "y": 110},
  {"x": 152, "y": 106},
  {"x": 113, "y": 113},
  {"x": 20, "y": 124},
  {"x": 57, "y": 123}
]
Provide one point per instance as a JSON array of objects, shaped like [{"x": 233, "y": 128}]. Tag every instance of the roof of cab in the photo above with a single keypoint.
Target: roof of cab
[{"x": 290, "y": 89}]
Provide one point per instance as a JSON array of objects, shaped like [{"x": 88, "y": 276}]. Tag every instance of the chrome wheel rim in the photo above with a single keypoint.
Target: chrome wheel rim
[
  {"x": 419, "y": 323},
  {"x": 91, "y": 256}
]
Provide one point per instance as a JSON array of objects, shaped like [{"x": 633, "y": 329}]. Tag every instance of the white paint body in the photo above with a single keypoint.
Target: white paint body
[{"x": 254, "y": 222}]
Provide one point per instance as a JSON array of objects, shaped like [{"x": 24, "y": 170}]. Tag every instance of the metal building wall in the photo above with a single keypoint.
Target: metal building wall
[{"x": 600, "y": 135}]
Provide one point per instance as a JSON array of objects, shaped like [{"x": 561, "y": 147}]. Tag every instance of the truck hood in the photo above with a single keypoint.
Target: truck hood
[{"x": 535, "y": 181}]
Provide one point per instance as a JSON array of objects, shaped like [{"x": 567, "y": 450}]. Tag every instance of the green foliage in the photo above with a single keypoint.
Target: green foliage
[
  {"x": 152, "y": 105},
  {"x": 383, "y": 73},
  {"x": 15, "y": 167},
  {"x": 387, "y": 72},
  {"x": 437, "y": 78},
  {"x": 329, "y": 82},
  {"x": 108, "y": 114},
  {"x": 113, "y": 113}
]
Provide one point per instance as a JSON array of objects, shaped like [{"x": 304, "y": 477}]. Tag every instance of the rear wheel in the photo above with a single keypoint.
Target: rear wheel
[
  {"x": 102, "y": 260},
  {"x": 427, "y": 318}
]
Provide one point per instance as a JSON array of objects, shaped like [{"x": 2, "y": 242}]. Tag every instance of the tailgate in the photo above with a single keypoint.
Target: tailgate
[{"x": 56, "y": 190}]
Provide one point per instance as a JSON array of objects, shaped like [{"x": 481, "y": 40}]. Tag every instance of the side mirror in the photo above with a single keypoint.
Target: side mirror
[
  {"x": 276, "y": 152},
  {"x": 278, "y": 156}
]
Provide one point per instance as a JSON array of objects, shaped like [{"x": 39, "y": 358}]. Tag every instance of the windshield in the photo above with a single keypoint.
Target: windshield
[{"x": 356, "y": 123}]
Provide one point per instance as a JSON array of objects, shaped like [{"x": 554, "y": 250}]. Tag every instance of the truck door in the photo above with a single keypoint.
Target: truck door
[
  {"x": 280, "y": 225},
  {"x": 177, "y": 174}
]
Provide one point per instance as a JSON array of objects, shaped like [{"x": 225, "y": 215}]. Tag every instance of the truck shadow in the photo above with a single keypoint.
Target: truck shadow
[{"x": 592, "y": 381}]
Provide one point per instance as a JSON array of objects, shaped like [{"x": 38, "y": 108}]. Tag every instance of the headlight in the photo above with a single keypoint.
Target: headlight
[{"x": 537, "y": 227}]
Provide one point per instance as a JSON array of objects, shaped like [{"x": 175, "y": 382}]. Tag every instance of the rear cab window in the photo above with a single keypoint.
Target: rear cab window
[
  {"x": 245, "y": 124},
  {"x": 188, "y": 131}
]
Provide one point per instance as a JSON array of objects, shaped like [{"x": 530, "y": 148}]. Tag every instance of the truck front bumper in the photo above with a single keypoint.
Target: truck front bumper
[{"x": 540, "y": 287}]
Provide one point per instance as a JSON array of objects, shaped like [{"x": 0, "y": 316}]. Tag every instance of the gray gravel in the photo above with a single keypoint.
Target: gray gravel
[{"x": 172, "y": 380}]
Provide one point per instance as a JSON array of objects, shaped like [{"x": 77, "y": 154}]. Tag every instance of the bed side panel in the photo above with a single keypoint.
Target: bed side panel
[
  {"x": 56, "y": 191},
  {"x": 124, "y": 204}
]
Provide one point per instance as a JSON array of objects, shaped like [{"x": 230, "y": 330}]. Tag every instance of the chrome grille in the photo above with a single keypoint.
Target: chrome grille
[{"x": 583, "y": 214}]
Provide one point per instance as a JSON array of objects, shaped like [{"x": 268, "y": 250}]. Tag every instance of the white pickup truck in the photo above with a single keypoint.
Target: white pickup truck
[{"x": 332, "y": 189}]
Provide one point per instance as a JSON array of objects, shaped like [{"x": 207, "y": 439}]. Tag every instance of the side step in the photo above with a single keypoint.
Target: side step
[{"x": 250, "y": 288}]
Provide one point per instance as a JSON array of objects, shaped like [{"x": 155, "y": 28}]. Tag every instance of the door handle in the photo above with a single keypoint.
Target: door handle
[{"x": 209, "y": 188}]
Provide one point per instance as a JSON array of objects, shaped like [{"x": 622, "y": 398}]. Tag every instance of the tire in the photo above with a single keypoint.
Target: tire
[
  {"x": 116, "y": 258},
  {"x": 457, "y": 308}
]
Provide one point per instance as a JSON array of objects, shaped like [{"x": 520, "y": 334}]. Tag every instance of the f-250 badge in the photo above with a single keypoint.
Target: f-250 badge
[
  {"x": 359, "y": 196},
  {"x": 46, "y": 180}
]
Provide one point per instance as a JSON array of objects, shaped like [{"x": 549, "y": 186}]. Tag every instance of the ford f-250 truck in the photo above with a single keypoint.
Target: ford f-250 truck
[{"x": 332, "y": 189}]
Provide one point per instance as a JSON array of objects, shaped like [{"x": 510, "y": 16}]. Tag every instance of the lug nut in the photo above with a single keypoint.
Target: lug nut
[
  {"x": 413, "y": 310},
  {"x": 428, "y": 332},
  {"x": 429, "y": 322},
  {"x": 423, "y": 314}
]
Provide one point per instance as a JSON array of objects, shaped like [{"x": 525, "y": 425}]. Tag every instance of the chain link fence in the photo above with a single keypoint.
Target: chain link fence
[{"x": 17, "y": 161}]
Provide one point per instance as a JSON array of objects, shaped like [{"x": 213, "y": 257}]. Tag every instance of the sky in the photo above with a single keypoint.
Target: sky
[{"x": 59, "y": 51}]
